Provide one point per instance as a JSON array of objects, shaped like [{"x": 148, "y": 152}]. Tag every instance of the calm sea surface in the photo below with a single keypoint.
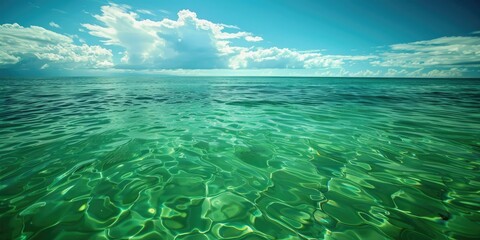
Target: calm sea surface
[{"x": 239, "y": 158}]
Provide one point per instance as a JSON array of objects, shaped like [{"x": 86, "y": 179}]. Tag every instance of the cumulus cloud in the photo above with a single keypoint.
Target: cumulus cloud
[
  {"x": 423, "y": 72},
  {"x": 286, "y": 58},
  {"x": 53, "y": 24},
  {"x": 190, "y": 42},
  {"x": 279, "y": 58},
  {"x": 444, "y": 52},
  {"x": 187, "y": 42},
  {"x": 443, "y": 73},
  {"x": 30, "y": 47},
  {"x": 6, "y": 59}
]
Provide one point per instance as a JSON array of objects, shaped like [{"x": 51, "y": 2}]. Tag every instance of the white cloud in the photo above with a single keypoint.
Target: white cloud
[
  {"x": 423, "y": 72},
  {"x": 286, "y": 58},
  {"x": 34, "y": 46},
  {"x": 189, "y": 42},
  {"x": 245, "y": 35},
  {"x": 145, "y": 11},
  {"x": 53, "y": 24},
  {"x": 253, "y": 38},
  {"x": 229, "y": 26},
  {"x": 6, "y": 59},
  {"x": 442, "y": 52},
  {"x": 437, "y": 73},
  {"x": 278, "y": 58}
]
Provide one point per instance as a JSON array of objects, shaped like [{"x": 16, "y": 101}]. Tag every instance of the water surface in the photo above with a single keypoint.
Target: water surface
[{"x": 239, "y": 158}]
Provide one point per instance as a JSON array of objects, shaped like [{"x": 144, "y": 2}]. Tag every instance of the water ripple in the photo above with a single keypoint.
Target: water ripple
[{"x": 239, "y": 158}]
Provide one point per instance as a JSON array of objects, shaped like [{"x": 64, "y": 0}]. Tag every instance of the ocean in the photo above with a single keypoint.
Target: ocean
[{"x": 239, "y": 158}]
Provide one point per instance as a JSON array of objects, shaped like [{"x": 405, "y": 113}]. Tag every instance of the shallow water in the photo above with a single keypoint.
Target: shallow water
[{"x": 239, "y": 158}]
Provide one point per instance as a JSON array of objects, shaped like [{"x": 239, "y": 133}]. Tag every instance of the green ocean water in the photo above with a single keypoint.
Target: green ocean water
[{"x": 239, "y": 158}]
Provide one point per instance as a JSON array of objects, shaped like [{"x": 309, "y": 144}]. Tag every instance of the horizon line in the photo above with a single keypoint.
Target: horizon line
[{"x": 232, "y": 76}]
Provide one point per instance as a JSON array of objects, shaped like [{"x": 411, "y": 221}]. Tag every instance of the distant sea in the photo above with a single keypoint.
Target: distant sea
[{"x": 239, "y": 158}]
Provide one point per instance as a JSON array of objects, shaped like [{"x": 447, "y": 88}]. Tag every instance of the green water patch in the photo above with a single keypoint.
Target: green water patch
[{"x": 239, "y": 158}]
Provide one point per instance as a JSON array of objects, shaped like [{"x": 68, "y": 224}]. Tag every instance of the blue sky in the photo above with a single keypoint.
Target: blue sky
[{"x": 372, "y": 38}]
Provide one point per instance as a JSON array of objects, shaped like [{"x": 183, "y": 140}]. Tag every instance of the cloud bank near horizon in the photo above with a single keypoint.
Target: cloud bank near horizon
[
  {"x": 37, "y": 47},
  {"x": 192, "y": 44},
  {"x": 189, "y": 42}
]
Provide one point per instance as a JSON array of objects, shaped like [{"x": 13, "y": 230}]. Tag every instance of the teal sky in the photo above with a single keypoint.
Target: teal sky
[{"x": 396, "y": 38}]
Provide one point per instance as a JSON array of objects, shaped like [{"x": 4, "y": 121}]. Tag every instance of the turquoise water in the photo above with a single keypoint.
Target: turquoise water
[{"x": 239, "y": 158}]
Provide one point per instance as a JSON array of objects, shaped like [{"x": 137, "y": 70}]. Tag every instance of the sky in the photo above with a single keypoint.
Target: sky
[{"x": 339, "y": 38}]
